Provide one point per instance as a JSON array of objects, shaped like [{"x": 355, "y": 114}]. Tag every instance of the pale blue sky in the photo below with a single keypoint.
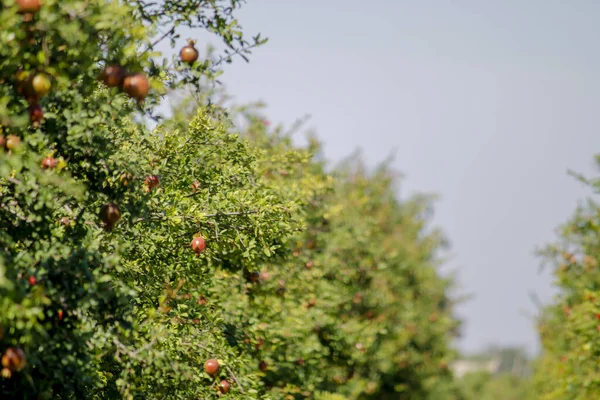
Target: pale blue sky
[{"x": 488, "y": 103}]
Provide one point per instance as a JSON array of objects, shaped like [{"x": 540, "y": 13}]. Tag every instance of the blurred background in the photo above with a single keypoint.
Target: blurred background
[{"x": 487, "y": 104}]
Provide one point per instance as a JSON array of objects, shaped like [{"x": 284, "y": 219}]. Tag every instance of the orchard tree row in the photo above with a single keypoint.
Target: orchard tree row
[
  {"x": 570, "y": 327},
  {"x": 199, "y": 259}
]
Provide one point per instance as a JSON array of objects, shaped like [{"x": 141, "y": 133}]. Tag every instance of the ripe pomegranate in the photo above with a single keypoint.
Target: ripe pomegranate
[
  {"x": 152, "y": 181},
  {"x": 196, "y": 186},
  {"x": 253, "y": 276},
  {"x": 32, "y": 280},
  {"x": 189, "y": 54},
  {"x": 49, "y": 163},
  {"x": 201, "y": 301},
  {"x": 29, "y": 6},
  {"x": 211, "y": 367},
  {"x": 36, "y": 114},
  {"x": 12, "y": 142},
  {"x": 41, "y": 85},
  {"x": 136, "y": 86},
  {"x": 224, "y": 387},
  {"x": 60, "y": 315},
  {"x": 309, "y": 265},
  {"x": 14, "y": 359},
  {"x": 110, "y": 214},
  {"x": 263, "y": 366},
  {"x": 260, "y": 343},
  {"x": 113, "y": 75},
  {"x": 65, "y": 221},
  {"x": 198, "y": 245}
]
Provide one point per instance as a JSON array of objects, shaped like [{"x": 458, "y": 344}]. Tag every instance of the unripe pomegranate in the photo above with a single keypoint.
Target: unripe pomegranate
[
  {"x": 41, "y": 85},
  {"x": 12, "y": 142},
  {"x": 36, "y": 114},
  {"x": 136, "y": 86},
  {"x": 189, "y": 54},
  {"x": 14, "y": 359},
  {"x": 126, "y": 178},
  {"x": 211, "y": 367},
  {"x": 113, "y": 75},
  {"x": 198, "y": 245},
  {"x": 49, "y": 163},
  {"x": 29, "y": 6},
  {"x": 224, "y": 387},
  {"x": 110, "y": 214}
]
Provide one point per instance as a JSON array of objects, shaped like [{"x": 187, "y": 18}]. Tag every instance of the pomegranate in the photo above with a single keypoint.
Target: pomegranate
[
  {"x": 211, "y": 367},
  {"x": 189, "y": 54},
  {"x": 263, "y": 366},
  {"x": 112, "y": 75},
  {"x": 40, "y": 83},
  {"x": 36, "y": 114},
  {"x": 32, "y": 280},
  {"x": 14, "y": 359},
  {"x": 136, "y": 86},
  {"x": 126, "y": 178},
  {"x": 198, "y": 245},
  {"x": 110, "y": 214},
  {"x": 49, "y": 163},
  {"x": 29, "y": 6},
  {"x": 12, "y": 142},
  {"x": 224, "y": 387},
  {"x": 152, "y": 181}
]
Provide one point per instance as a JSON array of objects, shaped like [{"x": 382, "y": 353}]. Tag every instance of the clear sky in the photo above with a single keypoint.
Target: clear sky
[{"x": 488, "y": 103}]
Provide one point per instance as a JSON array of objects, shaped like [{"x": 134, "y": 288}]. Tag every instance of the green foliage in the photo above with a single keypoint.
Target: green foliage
[
  {"x": 569, "y": 328},
  {"x": 313, "y": 284},
  {"x": 484, "y": 386}
]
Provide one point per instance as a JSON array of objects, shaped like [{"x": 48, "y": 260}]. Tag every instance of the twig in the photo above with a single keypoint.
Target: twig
[
  {"x": 231, "y": 213},
  {"x": 235, "y": 378},
  {"x": 235, "y": 53},
  {"x": 15, "y": 181},
  {"x": 157, "y": 41}
]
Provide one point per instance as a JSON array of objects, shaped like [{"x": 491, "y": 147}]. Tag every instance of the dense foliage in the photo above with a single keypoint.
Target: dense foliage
[
  {"x": 570, "y": 327},
  {"x": 190, "y": 261}
]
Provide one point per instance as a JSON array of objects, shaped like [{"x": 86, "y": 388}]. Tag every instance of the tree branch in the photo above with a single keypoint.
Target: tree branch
[{"x": 235, "y": 378}]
